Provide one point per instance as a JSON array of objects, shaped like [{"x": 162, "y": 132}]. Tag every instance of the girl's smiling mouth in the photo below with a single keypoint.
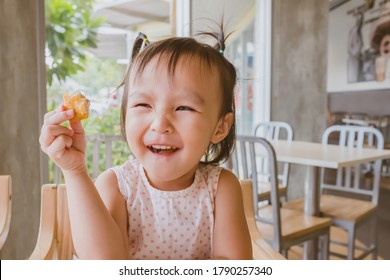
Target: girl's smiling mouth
[{"x": 162, "y": 149}]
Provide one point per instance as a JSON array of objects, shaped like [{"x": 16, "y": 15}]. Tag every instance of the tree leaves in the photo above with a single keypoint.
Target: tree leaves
[{"x": 70, "y": 31}]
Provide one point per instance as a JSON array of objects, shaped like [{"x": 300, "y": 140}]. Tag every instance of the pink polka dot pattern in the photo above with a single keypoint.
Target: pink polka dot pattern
[{"x": 169, "y": 225}]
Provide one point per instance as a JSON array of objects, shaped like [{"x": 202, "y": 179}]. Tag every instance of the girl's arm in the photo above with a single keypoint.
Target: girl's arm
[
  {"x": 231, "y": 235},
  {"x": 98, "y": 216}
]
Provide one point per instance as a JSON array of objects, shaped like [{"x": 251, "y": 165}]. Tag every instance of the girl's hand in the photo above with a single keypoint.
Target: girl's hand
[{"x": 65, "y": 146}]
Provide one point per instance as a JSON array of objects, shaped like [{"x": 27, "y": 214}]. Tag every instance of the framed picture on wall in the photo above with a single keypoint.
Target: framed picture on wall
[{"x": 359, "y": 46}]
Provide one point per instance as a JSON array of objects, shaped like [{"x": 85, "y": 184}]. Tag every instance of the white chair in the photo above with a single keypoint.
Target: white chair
[
  {"x": 382, "y": 123},
  {"x": 282, "y": 228},
  {"x": 5, "y": 207},
  {"x": 275, "y": 130},
  {"x": 346, "y": 200}
]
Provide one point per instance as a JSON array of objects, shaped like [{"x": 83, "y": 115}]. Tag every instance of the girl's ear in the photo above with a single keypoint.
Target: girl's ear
[{"x": 223, "y": 128}]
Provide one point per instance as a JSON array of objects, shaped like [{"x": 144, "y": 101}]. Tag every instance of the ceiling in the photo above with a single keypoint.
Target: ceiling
[
  {"x": 128, "y": 14},
  {"x": 125, "y": 18}
]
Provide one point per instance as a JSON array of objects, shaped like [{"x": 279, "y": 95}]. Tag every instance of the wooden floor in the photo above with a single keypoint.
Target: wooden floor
[
  {"x": 384, "y": 219},
  {"x": 295, "y": 253}
]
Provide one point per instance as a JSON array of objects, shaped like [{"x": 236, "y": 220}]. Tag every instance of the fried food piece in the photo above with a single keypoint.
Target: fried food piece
[{"x": 79, "y": 103}]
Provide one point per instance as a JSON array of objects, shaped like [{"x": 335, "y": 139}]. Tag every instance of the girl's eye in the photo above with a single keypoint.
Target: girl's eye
[
  {"x": 184, "y": 108},
  {"x": 143, "y": 105}
]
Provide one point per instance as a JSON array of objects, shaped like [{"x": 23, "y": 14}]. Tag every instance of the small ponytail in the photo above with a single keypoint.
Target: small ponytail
[
  {"x": 219, "y": 36},
  {"x": 140, "y": 43}
]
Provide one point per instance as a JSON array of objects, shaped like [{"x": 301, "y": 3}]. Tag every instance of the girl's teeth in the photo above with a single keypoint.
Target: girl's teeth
[{"x": 160, "y": 147}]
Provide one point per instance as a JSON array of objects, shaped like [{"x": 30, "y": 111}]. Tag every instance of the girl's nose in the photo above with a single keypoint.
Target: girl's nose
[{"x": 161, "y": 124}]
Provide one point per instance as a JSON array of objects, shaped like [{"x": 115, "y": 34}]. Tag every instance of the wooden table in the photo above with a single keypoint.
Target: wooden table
[{"x": 316, "y": 156}]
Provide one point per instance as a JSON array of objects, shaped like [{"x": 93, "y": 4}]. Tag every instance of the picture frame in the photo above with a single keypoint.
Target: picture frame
[{"x": 359, "y": 46}]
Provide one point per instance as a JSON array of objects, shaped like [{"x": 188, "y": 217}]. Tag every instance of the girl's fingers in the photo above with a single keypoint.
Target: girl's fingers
[
  {"x": 78, "y": 136},
  {"x": 50, "y": 132},
  {"x": 77, "y": 127},
  {"x": 56, "y": 138},
  {"x": 58, "y": 146},
  {"x": 55, "y": 111},
  {"x": 58, "y": 117}
]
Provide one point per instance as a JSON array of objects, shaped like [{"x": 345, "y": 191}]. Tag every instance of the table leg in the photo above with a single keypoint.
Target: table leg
[
  {"x": 312, "y": 191},
  {"x": 312, "y": 206}
]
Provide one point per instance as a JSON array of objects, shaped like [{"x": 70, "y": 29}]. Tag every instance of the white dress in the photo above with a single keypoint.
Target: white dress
[{"x": 169, "y": 224}]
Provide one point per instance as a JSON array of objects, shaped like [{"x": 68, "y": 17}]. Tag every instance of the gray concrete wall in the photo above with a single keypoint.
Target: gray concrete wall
[
  {"x": 299, "y": 57},
  {"x": 22, "y": 98}
]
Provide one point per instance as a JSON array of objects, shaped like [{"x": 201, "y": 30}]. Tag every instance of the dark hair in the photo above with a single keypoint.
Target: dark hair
[
  {"x": 175, "y": 48},
  {"x": 382, "y": 30}
]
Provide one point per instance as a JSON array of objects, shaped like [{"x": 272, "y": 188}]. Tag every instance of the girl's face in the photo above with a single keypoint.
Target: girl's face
[
  {"x": 384, "y": 47},
  {"x": 170, "y": 120}
]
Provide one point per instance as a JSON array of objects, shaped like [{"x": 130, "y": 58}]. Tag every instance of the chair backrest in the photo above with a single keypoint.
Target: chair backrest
[
  {"x": 276, "y": 130},
  {"x": 5, "y": 207},
  {"x": 248, "y": 149},
  {"x": 349, "y": 179},
  {"x": 54, "y": 237}
]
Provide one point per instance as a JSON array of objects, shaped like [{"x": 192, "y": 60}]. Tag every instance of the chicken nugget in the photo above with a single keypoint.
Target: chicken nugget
[{"x": 79, "y": 103}]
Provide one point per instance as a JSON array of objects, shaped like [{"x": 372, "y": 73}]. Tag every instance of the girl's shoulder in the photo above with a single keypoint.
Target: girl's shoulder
[
  {"x": 127, "y": 175},
  {"x": 214, "y": 176},
  {"x": 211, "y": 171},
  {"x": 130, "y": 166}
]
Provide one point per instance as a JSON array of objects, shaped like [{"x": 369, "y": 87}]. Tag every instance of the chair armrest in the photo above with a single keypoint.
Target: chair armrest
[
  {"x": 5, "y": 207},
  {"x": 262, "y": 250},
  {"x": 45, "y": 246}
]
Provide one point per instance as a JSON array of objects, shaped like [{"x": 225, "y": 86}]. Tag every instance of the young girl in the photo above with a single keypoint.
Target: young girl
[{"x": 172, "y": 201}]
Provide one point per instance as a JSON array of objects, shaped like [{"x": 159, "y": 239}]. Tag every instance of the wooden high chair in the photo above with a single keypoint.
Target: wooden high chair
[
  {"x": 54, "y": 237},
  {"x": 261, "y": 250},
  {"x": 5, "y": 207}
]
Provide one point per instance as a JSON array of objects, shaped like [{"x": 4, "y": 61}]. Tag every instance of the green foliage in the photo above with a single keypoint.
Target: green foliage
[
  {"x": 70, "y": 30},
  {"x": 107, "y": 124},
  {"x": 99, "y": 78},
  {"x": 100, "y": 74}
]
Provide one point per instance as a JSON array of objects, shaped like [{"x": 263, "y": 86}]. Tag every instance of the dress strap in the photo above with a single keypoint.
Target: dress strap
[{"x": 121, "y": 181}]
